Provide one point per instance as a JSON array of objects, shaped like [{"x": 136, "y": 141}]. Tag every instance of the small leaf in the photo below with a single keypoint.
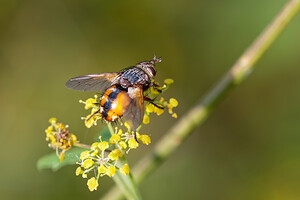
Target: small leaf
[{"x": 51, "y": 161}]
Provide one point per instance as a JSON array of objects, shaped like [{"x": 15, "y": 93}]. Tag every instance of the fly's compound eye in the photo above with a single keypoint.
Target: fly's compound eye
[{"x": 151, "y": 70}]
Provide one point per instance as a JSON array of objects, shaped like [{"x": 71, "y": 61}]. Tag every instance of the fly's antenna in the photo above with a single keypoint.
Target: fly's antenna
[{"x": 155, "y": 60}]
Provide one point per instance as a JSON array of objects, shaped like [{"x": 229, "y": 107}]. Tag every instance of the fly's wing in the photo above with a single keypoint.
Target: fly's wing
[
  {"x": 93, "y": 82},
  {"x": 133, "y": 113}
]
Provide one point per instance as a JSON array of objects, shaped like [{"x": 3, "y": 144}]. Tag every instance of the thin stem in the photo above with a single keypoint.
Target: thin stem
[
  {"x": 82, "y": 145},
  {"x": 110, "y": 128},
  {"x": 126, "y": 184},
  {"x": 197, "y": 115}
]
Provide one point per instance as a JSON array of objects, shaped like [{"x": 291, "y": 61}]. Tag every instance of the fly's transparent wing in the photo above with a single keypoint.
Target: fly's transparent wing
[
  {"x": 134, "y": 112},
  {"x": 93, "y": 82}
]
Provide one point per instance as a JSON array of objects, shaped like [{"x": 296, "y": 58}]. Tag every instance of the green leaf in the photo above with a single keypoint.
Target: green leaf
[{"x": 51, "y": 161}]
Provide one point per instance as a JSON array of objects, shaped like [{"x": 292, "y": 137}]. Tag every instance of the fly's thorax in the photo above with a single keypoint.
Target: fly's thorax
[
  {"x": 141, "y": 74},
  {"x": 134, "y": 76}
]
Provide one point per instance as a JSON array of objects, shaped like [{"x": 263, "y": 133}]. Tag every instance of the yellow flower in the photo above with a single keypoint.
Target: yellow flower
[
  {"x": 84, "y": 175},
  {"x": 169, "y": 81},
  {"x": 132, "y": 143},
  {"x": 60, "y": 126},
  {"x": 59, "y": 138},
  {"x": 111, "y": 171},
  {"x": 102, "y": 169},
  {"x": 150, "y": 108},
  {"x": 84, "y": 155},
  {"x": 145, "y": 139},
  {"x": 123, "y": 145},
  {"x": 95, "y": 146},
  {"x": 115, "y": 154},
  {"x": 170, "y": 109},
  {"x": 146, "y": 119},
  {"x": 173, "y": 102},
  {"x": 53, "y": 143},
  {"x": 115, "y": 138},
  {"x": 52, "y": 120},
  {"x": 124, "y": 169},
  {"x": 103, "y": 145},
  {"x": 158, "y": 111},
  {"x": 78, "y": 171},
  {"x": 174, "y": 115},
  {"x": 73, "y": 138},
  {"x": 126, "y": 125},
  {"x": 49, "y": 130},
  {"x": 90, "y": 103},
  {"x": 87, "y": 163},
  {"x": 92, "y": 183},
  {"x": 51, "y": 137},
  {"x": 120, "y": 132},
  {"x": 137, "y": 135},
  {"x": 89, "y": 121},
  {"x": 94, "y": 153}
]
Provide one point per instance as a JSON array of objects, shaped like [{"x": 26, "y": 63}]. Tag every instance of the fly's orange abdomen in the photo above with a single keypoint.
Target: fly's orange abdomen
[{"x": 113, "y": 103}]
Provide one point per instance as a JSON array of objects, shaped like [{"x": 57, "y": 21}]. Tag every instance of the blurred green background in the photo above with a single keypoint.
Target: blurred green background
[{"x": 248, "y": 149}]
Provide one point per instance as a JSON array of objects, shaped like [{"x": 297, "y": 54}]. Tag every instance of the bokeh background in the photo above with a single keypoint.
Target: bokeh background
[{"x": 248, "y": 149}]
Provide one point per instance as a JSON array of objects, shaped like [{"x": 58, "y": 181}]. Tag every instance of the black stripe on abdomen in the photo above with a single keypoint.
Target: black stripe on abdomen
[{"x": 109, "y": 100}]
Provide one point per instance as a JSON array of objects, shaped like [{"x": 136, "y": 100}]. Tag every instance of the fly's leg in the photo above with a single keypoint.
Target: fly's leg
[
  {"x": 152, "y": 102},
  {"x": 98, "y": 111},
  {"x": 155, "y": 86},
  {"x": 136, "y": 137}
]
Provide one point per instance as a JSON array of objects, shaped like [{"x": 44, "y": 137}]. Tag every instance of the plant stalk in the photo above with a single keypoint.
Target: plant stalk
[{"x": 127, "y": 183}]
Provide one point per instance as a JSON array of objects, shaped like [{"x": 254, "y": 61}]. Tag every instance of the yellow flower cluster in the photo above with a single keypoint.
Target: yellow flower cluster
[
  {"x": 59, "y": 138},
  {"x": 158, "y": 107},
  {"x": 125, "y": 140},
  {"x": 100, "y": 161},
  {"x": 94, "y": 116},
  {"x": 151, "y": 108}
]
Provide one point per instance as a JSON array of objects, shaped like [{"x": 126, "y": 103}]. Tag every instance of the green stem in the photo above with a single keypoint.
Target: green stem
[
  {"x": 126, "y": 183},
  {"x": 85, "y": 146},
  {"x": 197, "y": 115},
  {"x": 110, "y": 128}
]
